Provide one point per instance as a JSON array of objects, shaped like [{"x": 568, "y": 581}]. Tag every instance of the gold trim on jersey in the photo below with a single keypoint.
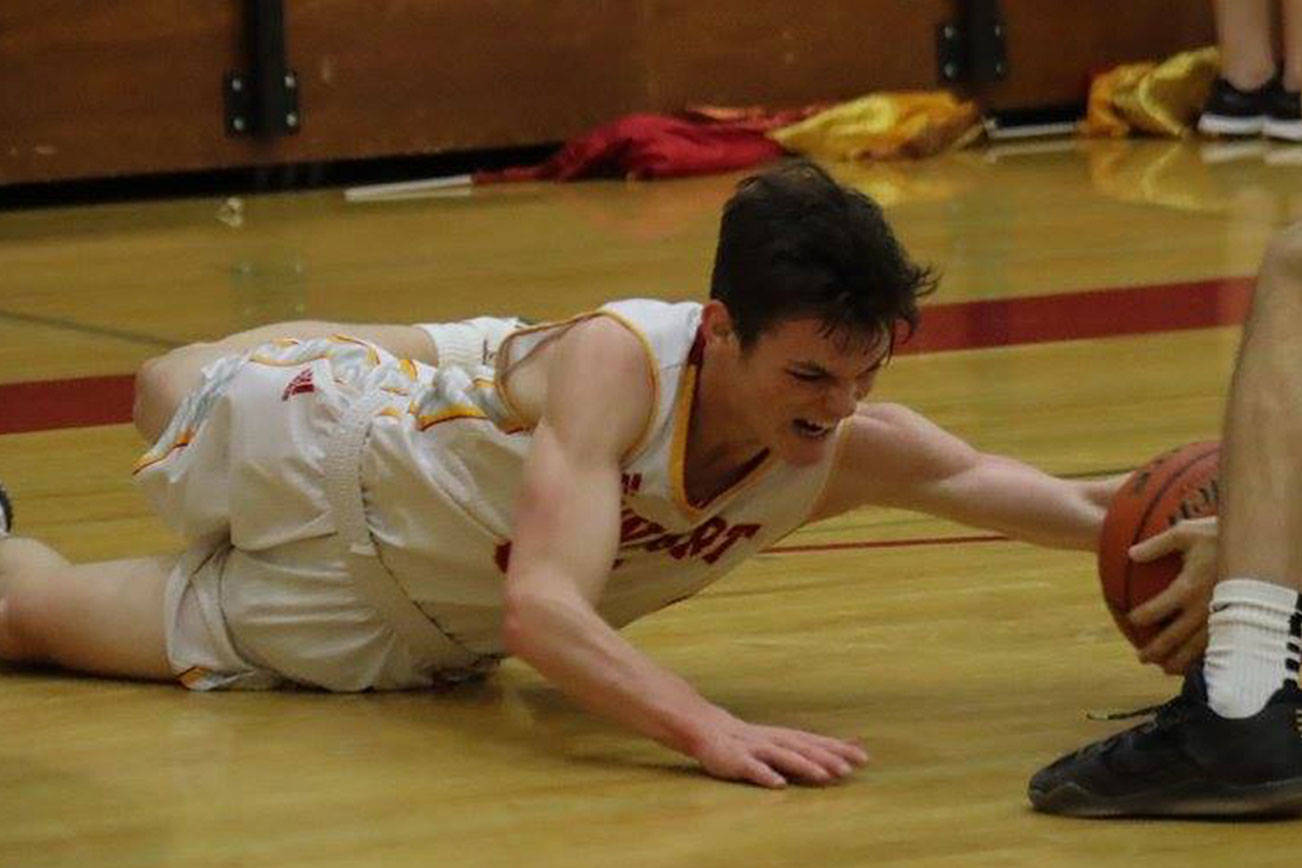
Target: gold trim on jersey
[
  {"x": 678, "y": 450},
  {"x": 286, "y": 363},
  {"x": 456, "y": 411},
  {"x": 653, "y": 369},
  {"x": 155, "y": 455},
  {"x": 372, "y": 354}
]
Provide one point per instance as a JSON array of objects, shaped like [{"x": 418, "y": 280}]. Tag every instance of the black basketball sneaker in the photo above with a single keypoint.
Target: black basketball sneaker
[
  {"x": 1186, "y": 761},
  {"x": 6, "y": 512},
  {"x": 1233, "y": 112},
  {"x": 1283, "y": 114}
]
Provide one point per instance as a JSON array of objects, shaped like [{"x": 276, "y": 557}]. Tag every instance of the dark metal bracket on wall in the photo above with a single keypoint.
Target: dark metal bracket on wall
[
  {"x": 262, "y": 100},
  {"x": 971, "y": 48}
]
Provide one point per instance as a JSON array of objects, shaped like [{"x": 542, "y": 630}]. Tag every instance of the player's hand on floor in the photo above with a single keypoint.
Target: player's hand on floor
[
  {"x": 1184, "y": 602},
  {"x": 772, "y": 756}
]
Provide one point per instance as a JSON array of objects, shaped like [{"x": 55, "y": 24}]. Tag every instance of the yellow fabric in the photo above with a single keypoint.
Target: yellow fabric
[
  {"x": 1160, "y": 98},
  {"x": 1172, "y": 174},
  {"x": 1101, "y": 118},
  {"x": 885, "y": 125}
]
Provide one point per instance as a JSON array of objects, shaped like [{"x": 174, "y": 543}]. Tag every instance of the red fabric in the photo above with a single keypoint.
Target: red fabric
[{"x": 651, "y": 146}]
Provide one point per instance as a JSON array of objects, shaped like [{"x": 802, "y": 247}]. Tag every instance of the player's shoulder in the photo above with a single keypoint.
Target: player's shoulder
[
  {"x": 601, "y": 349},
  {"x": 600, "y": 384},
  {"x": 881, "y": 423},
  {"x": 893, "y": 440}
]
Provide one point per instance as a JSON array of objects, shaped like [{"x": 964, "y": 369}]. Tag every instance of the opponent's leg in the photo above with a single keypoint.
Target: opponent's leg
[
  {"x": 1243, "y": 32},
  {"x": 1253, "y": 646},
  {"x": 1284, "y": 108},
  {"x": 1237, "y": 104},
  {"x": 1292, "y": 74},
  {"x": 1231, "y": 744},
  {"x": 104, "y": 618}
]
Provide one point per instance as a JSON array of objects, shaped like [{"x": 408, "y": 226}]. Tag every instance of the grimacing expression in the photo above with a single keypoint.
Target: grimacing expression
[{"x": 804, "y": 382}]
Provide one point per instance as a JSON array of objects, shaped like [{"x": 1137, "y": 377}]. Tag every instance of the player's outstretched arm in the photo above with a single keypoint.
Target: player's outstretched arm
[
  {"x": 893, "y": 456},
  {"x": 566, "y": 538}
]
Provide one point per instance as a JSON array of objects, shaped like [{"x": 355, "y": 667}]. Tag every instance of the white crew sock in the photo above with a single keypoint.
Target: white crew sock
[
  {"x": 1254, "y": 630},
  {"x": 471, "y": 342}
]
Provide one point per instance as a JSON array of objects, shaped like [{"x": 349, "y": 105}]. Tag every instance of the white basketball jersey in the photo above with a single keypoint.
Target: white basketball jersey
[{"x": 441, "y": 482}]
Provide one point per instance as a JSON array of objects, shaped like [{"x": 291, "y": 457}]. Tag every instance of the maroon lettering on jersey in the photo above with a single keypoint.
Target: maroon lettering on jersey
[
  {"x": 667, "y": 541},
  {"x": 701, "y": 537},
  {"x": 638, "y": 532},
  {"x": 733, "y": 535},
  {"x": 630, "y": 482},
  {"x": 634, "y": 527},
  {"x": 300, "y": 384},
  {"x": 502, "y": 556}
]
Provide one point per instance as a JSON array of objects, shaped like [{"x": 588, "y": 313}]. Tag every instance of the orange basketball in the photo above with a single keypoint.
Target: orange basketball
[{"x": 1177, "y": 485}]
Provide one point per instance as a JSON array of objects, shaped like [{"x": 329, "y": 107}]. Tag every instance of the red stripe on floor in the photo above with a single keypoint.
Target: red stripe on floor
[
  {"x": 1102, "y": 312},
  {"x": 47, "y": 404},
  {"x": 1077, "y": 315},
  {"x": 76, "y": 403}
]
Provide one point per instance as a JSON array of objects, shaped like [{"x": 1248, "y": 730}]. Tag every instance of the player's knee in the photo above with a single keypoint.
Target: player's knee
[
  {"x": 25, "y": 619},
  {"x": 1284, "y": 256},
  {"x": 1277, "y": 296},
  {"x": 155, "y": 397},
  {"x": 146, "y": 383}
]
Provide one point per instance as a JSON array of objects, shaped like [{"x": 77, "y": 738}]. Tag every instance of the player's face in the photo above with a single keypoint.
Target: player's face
[{"x": 803, "y": 383}]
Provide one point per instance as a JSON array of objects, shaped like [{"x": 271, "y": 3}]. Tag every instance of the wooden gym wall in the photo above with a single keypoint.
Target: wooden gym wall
[{"x": 120, "y": 87}]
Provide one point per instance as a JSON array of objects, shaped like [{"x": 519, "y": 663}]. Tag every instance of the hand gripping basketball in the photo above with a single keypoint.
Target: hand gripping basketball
[{"x": 1157, "y": 596}]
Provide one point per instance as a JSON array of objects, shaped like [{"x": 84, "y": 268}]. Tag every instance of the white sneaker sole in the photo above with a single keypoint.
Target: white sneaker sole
[
  {"x": 1221, "y": 125},
  {"x": 1290, "y": 131}
]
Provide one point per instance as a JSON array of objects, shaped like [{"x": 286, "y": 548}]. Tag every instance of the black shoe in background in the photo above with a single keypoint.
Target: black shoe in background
[
  {"x": 1283, "y": 114},
  {"x": 1233, "y": 112}
]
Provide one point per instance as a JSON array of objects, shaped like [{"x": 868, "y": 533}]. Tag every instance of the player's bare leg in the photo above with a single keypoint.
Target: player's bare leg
[
  {"x": 103, "y": 618},
  {"x": 1243, "y": 32},
  {"x": 1244, "y": 94},
  {"x": 163, "y": 382},
  {"x": 1256, "y": 619},
  {"x": 1291, "y": 13},
  {"x": 1261, "y": 454},
  {"x": 1231, "y": 743}
]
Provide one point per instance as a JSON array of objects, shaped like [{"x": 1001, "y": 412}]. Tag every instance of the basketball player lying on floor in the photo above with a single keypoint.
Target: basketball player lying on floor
[{"x": 359, "y": 517}]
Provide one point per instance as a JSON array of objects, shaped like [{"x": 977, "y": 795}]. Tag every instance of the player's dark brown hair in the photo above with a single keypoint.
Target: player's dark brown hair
[{"x": 794, "y": 243}]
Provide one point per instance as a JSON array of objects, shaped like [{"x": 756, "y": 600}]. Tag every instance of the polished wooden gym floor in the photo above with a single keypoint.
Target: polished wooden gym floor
[{"x": 1086, "y": 321}]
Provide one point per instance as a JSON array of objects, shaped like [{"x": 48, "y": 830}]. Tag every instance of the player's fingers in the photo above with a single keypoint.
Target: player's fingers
[
  {"x": 759, "y": 772},
  {"x": 1154, "y": 547},
  {"x": 1170, "y": 638},
  {"x": 847, "y": 750},
  {"x": 790, "y": 762},
  {"x": 1186, "y": 654},
  {"x": 816, "y": 753},
  {"x": 852, "y": 751},
  {"x": 1160, "y": 607}
]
